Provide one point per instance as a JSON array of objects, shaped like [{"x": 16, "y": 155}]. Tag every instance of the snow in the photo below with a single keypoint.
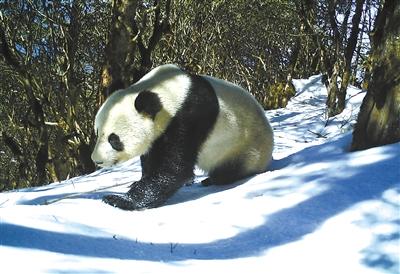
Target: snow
[{"x": 319, "y": 209}]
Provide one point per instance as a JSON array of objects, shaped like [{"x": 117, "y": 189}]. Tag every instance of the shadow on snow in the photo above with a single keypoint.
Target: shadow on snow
[{"x": 282, "y": 227}]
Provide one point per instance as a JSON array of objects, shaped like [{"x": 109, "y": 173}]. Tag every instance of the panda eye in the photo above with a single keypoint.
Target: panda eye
[{"x": 115, "y": 142}]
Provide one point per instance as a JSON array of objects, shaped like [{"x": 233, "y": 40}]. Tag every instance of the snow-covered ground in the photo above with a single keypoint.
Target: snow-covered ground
[{"x": 320, "y": 209}]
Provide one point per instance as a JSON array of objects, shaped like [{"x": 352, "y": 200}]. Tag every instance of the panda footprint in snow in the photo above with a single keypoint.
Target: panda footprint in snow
[{"x": 175, "y": 120}]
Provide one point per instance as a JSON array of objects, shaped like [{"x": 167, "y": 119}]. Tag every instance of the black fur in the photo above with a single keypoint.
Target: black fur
[
  {"x": 115, "y": 142},
  {"x": 226, "y": 173},
  {"x": 170, "y": 161},
  {"x": 148, "y": 103}
]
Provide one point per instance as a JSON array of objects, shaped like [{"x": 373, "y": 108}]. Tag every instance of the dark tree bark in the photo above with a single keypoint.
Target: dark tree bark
[
  {"x": 348, "y": 56},
  {"x": 307, "y": 11},
  {"x": 128, "y": 55},
  {"x": 342, "y": 67},
  {"x": 31, "y": 87},
  {"x": 379, "y": 118},
  {"x": 120, "y": 47},
  {"x": 333, "y": 88}
]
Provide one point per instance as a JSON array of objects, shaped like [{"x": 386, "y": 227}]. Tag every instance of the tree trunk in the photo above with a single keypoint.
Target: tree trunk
[
  {"x": 348, "y": 56},
  {"x": 379, "y": 118},
  {"x": 120, "y": 47},
  {"x": 128, "y": 54},
  {"x": 307, "y": 12},
  {"x": 32, "y": 87},
  {"x": 333, "y": 88}
]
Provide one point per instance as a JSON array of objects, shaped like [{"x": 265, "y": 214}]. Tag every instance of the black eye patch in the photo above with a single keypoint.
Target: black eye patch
[{"x": 115, "y": 142}]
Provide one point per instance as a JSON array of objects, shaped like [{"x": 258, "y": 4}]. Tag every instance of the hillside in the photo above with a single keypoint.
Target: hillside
[{"x": 319, "y": 209}]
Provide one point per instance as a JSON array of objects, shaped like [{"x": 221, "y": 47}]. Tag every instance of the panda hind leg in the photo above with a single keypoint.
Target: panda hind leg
[{"x": 225, "y": 174}]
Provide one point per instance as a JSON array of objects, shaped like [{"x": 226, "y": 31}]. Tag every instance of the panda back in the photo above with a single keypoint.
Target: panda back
[
  {"x": 241, "y": 130},
  {"x": 169, "y": 82}
]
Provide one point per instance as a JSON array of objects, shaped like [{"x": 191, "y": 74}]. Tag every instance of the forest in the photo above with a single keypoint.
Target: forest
[{"x": 59, "y": 60}]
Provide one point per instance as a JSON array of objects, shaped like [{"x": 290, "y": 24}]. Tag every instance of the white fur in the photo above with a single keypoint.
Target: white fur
[
  {"x": 137, "y": 132},
  {"x": 241, "y": 129}
]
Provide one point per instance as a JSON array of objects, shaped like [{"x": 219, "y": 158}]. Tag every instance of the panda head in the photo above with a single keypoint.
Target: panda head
[{"x": 126, "y": 125}]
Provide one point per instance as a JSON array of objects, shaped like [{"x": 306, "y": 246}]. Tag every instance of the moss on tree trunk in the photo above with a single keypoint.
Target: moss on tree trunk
[{"x": 379, "y": 119}]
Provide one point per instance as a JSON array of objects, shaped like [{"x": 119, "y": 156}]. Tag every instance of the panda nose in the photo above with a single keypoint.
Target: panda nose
[{"x": 98, "y": 162}]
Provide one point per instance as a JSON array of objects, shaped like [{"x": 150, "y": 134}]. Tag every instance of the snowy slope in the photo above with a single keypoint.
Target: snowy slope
[{"x": 319, "y": 209}]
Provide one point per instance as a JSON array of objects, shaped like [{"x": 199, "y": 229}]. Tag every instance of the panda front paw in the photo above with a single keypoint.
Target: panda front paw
[{"x": 121, "y": 201}]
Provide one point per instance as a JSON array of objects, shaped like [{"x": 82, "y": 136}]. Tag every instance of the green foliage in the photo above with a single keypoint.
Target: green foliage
[{"x": 278, "y": 94}]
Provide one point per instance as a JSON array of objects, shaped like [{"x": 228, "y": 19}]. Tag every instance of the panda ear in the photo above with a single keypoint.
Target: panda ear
[{"x": 148, "y": 103}]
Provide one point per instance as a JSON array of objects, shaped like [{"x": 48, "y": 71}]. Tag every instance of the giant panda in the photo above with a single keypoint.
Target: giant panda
[{"x": 175, "y": 120}]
